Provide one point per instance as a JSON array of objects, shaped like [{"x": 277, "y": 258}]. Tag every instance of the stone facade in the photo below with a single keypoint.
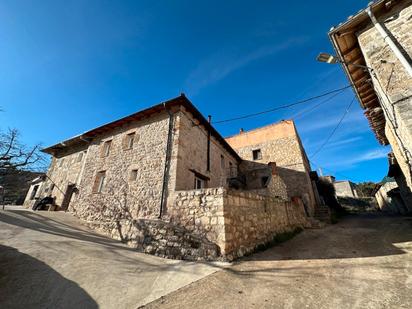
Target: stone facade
[
  {"x": 392, "y": 82},
  {"x": 389, "y": 199},
  {"x": 385, "y": 88},
  {"x": 280, "y": 143},
  {"x": 345, "y": 188},
  {"x": 134, "y": 180}
]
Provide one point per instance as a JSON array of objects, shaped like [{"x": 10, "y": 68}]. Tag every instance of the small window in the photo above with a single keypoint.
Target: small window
[
  {"x": 133, "y": 175},
  {"x": 222, "y": 162},
  {"x": 199, "y": 183},
  {"x": 99, "y": 182},
  {"x": 106, "y": 148},
  {"x": 33, "y": 193},
  {"x": 129, "y": 141},
  {"x": 265, "y": 181},
  {"x": 61, "y": 162},
  {"x": 80, "y": 157},
  {"x": 257, "y": 154}
]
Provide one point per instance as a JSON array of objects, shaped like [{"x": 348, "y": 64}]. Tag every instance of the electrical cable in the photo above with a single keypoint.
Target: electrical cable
[
  {"x": 282, "y": 106},
  {"x": 334, "y": 130}
]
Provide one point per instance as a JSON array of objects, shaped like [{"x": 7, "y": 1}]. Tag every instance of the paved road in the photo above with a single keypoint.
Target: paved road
[
  {"x": 49, "y": 260},
  {"x": 361, "y": 262}
]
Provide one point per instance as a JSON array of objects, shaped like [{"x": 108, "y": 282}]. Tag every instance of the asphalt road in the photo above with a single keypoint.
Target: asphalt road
[
  {"x": 50, "y": 260},
  {"x": 362, "y": 262}
]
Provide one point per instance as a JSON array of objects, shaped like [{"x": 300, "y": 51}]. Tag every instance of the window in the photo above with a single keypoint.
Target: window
[
  {"x": 61, "y": 162},
  {"x": 33, "y": 193},
  {"x": 80, "y": 157},
  {"x": 99, "y": 182},
  {"x": 222, "y": 162},
  {"x": 257, "y": 154},
  {"x": 129, "y": 140},
  {"x": 133, "y": 175},
  {"x": 106, "y": 148},
  {"x": 265, "y": 181},
  {"x": 199, "y": 183}
]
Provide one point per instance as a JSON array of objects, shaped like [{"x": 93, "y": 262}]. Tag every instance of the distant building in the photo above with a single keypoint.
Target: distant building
[
  {"x": 379, "y": 37},
  {"x": 345, "y": 188}
]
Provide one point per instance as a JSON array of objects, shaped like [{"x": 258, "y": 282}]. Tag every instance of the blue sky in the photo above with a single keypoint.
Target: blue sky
[{"x": 69, "y": 66}]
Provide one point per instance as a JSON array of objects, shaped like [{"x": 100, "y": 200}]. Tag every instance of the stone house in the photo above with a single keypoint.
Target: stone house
[
  {"x": 166, "y": 182},
  {"x": 279, "y": 143},
  {"x": 345, "y": 188},
  {"x": 375, "y": 48}
]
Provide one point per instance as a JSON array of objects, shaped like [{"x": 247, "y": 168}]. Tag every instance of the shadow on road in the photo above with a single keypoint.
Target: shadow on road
[
  {"x": 37, "y": 222},
  {"x": 26, "y": 282}
]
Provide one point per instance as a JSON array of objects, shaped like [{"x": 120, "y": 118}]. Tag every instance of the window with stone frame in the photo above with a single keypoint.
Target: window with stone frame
[
  {"x": 99, "y": 182},
  {"x": 80, "y": 156},
  {"x": 257, "y": 154},
  {"x": 105, "y": 151},
  {"x": 129, "y": 140},
  {"x": 199, "y": 183},
  {"x": 133, "y": 175},
  {"x": 222, "y": 162}
]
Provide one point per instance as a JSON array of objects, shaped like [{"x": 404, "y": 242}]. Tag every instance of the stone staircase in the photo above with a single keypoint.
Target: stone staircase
[{"x": 322, "y": 213}]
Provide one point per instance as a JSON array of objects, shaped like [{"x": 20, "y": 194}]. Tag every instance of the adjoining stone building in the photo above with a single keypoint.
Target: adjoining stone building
[
  {"x": 375, "y": 48},
  {"x": 280, "y": 143},
  {"x": 166, "y": 182},
  {"x": 389, "y": 198}
]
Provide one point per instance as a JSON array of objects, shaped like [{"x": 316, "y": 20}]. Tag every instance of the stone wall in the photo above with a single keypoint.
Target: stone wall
[
  {"x": 147, "y": 157},
  {"x": 237, "y": 221},
  {"x": 279, "y": 143},
  {"x": 192, "y": 155},
  {"x": 391, "y": 203},
  {"x": 392, "y": 82}
]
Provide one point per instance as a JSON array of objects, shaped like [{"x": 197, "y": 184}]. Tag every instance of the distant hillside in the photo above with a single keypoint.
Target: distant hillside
[{"x": 16, "y": 184}]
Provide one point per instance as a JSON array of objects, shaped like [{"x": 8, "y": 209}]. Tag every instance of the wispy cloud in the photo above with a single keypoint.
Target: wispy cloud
[
  {"x": 369, "y": 155},
  {"x": 322, "y": 122},
  {"x": 221, "y": 64}
]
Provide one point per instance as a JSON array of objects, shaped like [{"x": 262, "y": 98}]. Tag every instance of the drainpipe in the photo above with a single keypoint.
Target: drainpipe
[
  {"x": 387, "y": 37},
  {"x": 209, "y": 119},
  {"x": 167, "y": 161}
]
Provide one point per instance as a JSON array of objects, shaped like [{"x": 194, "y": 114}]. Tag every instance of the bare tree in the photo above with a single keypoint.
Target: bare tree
[{"x": 15, "y": 155}]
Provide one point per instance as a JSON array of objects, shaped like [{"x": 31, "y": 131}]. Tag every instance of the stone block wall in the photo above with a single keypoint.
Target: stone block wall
[
  {"x": 252, "y": 220},
  {"x": 236, "y": 221}
]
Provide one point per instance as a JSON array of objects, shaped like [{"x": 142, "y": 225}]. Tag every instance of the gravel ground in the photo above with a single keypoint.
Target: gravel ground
[{"x": 364, "y": 261}]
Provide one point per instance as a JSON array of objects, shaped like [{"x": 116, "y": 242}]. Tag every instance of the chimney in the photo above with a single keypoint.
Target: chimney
[
  {"x": 272, "y": 165},
  {"x": 241, "y": 131}
]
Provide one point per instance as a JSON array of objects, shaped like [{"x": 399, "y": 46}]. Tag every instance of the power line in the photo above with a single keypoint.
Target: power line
[
  {"x": 335, "y": 173},
  {"x": 334, "y": 130},
  {"x": 317, "y": 105},
  {"x": 282, "y": 106}
]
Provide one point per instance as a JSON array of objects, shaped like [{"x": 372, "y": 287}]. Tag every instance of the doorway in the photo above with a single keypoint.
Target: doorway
[{"x": 68, "y": 196}]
